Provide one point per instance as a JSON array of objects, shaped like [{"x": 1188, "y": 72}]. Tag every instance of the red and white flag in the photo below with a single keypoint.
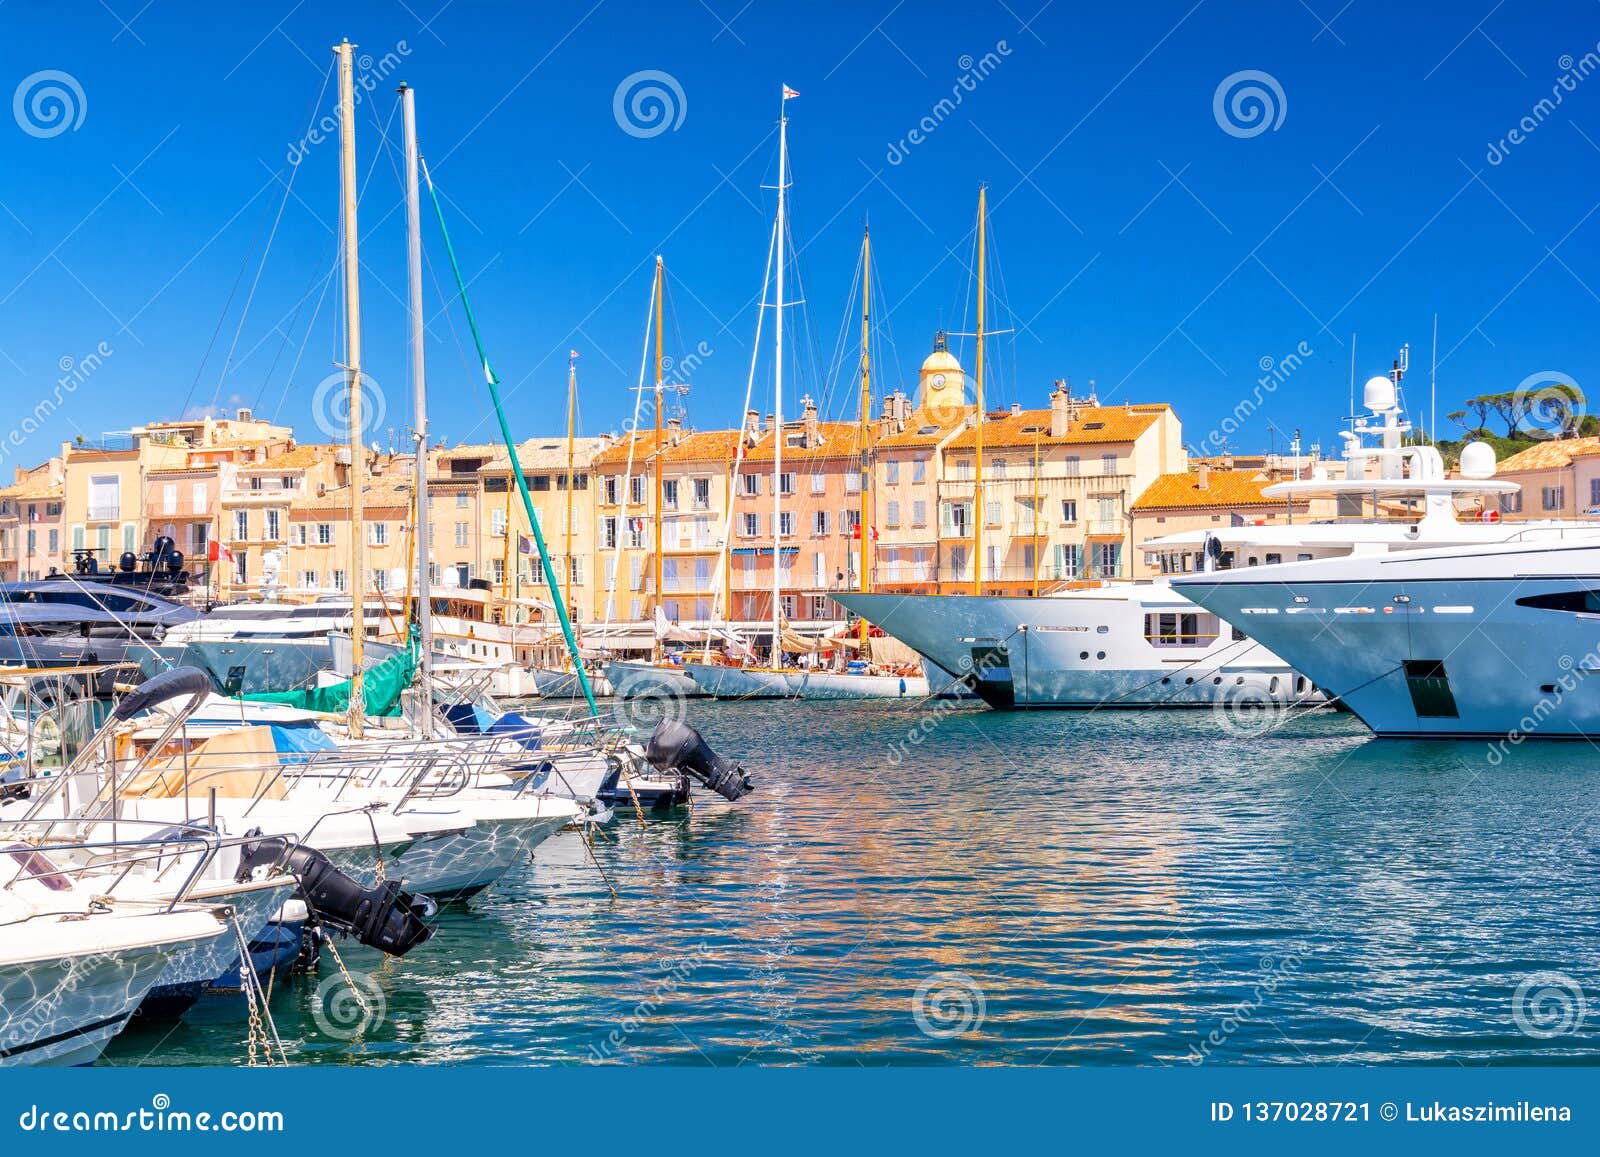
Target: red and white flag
[
  {"x": 789, "y": 92},
  {"x": 216, "y": 552}
]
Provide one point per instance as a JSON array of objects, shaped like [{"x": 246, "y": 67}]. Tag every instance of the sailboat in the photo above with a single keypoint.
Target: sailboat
[{"x": 658, "y": 677}]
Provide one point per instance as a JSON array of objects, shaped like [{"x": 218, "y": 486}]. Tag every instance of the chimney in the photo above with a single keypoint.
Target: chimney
[
  {"x": 245, "y": 414},
  {"x": 813, "y": 428},
  {"x": 1060, "y": 410},
  {"x": 1016, "y": 408},
  {"x": 1227, "y": 461},
  {"x": 674, "y": 431},
  {"x": 752, "y": 427},
  {"x": 1203, "y": 476},
  {"x": 606, "y": 439}
]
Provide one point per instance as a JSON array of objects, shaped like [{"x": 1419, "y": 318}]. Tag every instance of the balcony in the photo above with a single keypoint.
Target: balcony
[
  {"x": 1102, "y": 527},
  {"x": 104, "y": 512}
]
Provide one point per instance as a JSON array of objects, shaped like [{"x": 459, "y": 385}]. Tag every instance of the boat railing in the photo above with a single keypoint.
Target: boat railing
[{"x": 39, "y": 849}]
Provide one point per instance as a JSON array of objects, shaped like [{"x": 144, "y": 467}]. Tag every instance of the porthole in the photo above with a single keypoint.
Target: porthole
[
  {"x": 1083, "y": 654},
  {"x": 1189, "y": 680},
  {"x": 1239, "y": 681},
  {"x": 1165, "y": 680},
  {"x": 1099, "y": 654},
  {"x": 1217, "y": 681},
  {"x": 1272, "y": 687}
]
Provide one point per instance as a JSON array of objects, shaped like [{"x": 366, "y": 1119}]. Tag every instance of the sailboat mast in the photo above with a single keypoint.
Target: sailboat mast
[
  {"x": 352, "y": 368},
  {"x": 572, "y": 406},
  {"x": 977, "y": 489},
  {"x": 660, "y": 285},
  {"x": 419, "y": 395},
  {"x": 777, "y": 384},
  {"x": 866, "y": 420}
]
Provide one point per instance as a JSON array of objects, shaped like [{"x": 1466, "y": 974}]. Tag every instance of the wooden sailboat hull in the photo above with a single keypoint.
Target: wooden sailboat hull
[{"x": 739, "y": 682}]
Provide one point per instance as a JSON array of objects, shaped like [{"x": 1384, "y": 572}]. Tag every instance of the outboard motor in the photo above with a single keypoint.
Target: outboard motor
[
  {"x": 676, "y": 746},
  {"x": 382, "y": 917}
]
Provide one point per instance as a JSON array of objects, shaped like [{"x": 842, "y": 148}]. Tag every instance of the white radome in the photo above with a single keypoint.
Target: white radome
[
  {"x": 1477, "y": 460},
  {"x": 1378, "y": 395}
]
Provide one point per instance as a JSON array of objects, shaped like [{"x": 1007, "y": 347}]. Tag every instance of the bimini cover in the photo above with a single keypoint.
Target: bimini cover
[
  {"x": 518, "y": 728},
  {"x": 240, "y": 764}
]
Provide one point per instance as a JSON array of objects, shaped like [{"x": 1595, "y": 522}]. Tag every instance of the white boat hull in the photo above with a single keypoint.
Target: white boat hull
[
  {"x": 739, "y": 682},
  {"x": 553, "y": 684},
  {"x": 634, "y": 680},
  {"x": 1081, "y": 651},
  {"x": 839, "y": 685}
]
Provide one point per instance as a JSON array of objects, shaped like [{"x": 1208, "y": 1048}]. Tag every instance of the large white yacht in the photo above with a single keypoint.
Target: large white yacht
[{"x": 1146, "y": 644}]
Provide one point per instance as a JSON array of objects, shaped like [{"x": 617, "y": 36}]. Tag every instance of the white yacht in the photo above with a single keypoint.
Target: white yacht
[
  {"x": 1499, "y": 641},
  {"x": 1148, "y": 644}
]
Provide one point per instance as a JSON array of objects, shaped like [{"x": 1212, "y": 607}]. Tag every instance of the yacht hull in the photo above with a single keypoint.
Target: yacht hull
[
  {"x": 1419, "y": 657},
  {"x": 633, "y": 680},
  {"x": 739, "y": 682},
  {"x": 1082, "y": 651},
  {"x": 828, "y": 685}
]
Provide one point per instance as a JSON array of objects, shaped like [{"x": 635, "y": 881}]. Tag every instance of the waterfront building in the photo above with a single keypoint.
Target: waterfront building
[
  {"x": 31, "y": 534},
  {"x": 1560, "y": 478}
]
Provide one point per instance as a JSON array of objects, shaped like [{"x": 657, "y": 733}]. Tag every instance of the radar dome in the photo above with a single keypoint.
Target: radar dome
[
  {"x": 1378, "y": 395},
  {"x": 1477, "y": 460}
]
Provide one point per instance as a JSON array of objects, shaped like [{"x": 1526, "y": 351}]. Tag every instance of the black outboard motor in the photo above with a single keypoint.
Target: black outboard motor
[
  {"x": 676, "y": 746},
  {"x": 382, "y": 917}
]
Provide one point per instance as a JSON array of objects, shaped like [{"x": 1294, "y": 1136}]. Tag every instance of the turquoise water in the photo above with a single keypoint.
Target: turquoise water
[{"x": 1043, "y": 888}]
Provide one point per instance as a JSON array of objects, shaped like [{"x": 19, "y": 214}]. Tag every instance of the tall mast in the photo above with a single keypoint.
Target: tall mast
[
  {"x": 572, "y": 405},
  {"x": 777, "y": 383},
  {"x": 660, "y": 285},
  {"x": 866, "y": 420},
  {"x": 419, "y": 396},
  {"x": 977, "y": 489},
  {"x": 352, "y": 368}
]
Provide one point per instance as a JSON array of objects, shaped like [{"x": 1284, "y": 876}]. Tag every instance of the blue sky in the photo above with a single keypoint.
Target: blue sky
[{"x": 1136, "y": 243}]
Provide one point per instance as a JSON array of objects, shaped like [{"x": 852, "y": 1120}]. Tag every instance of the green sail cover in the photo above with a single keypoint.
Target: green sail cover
[{"x": 384, "y": 682}]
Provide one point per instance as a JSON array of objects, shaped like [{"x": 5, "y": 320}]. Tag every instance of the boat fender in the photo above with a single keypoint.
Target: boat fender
[
  {"x": 675, "y": 746},
  {"x": 382, "y": 917}
]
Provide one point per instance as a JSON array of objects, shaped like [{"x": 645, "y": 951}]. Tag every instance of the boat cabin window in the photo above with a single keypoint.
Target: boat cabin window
[
  {"x": 1574, "y": 602},
  {"x": 1180, "y": 629}
]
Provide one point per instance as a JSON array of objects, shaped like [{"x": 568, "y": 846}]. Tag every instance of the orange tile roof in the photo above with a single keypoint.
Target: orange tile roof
[
  {"x": 296, "y": 459},
  {"x": 395, "y": 497},
  {"x": 1551, "y": 455},
  {"x": 533, "y": 454},
  {"x": 693, "y": 446},
  {"x": 836, "y": 440},
  {"x": 36, "y": 487},
  {"x": 1091, "y": 425},
  {"x": 1223, "y": 488}
]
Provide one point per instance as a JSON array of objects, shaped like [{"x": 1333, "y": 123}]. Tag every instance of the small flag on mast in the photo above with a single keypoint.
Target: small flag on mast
[
  {"x": 789, "y": 92},
  {"x": 523, "y": 545}
]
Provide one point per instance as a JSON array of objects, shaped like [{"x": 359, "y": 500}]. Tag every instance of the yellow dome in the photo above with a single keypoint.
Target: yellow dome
[{"x": 941, "y": 362}]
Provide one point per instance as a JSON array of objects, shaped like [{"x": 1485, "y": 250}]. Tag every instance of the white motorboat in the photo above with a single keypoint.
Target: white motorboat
[{"x": 75, "y": 966}]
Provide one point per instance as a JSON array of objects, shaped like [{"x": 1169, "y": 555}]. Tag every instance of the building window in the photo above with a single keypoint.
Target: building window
[
  {"x": 750, "y": 484},
  {"x": 461, "y": 534},
  {"x": 1071, "y": 463},
  {"x": 608, "y": 490},
  {"x": 1108, "y": 463},
  {"x": 919, "y": 469},
  {"x": 324, "y": 534},
  {"x": 1511, "y": 503},
  {"x": 380, "y": 534},
  {"x": 750, "y": 525},
  {"x": 964, "y": 470},
  {"x": 461, "y": 500},
  {"x": 498, "y": 566},
  {"x": 999, "y": 468},
  {"x": 169, "y": 498},
  {"x": 1594, "y": 492},
  {"x": 297, "y": 534},
  {"x": 274, "y": 525},
  {"x": 241, "y": 525},
  {"x": 891, "y": 517},
  {"x": 819, "y": 484},
  {"x": 891, "y": 471},
  {"x": 919, "y": 513},
  {"x": 636, "y": 490},
  {"x": 819, "y": 522},
  {"x": 241, "y": 568},
  {"x": 1069, "y": 510},
  {"x": 339, "y": 583},
  {"x": 608, "y": 533},
  {"x": 785, "y": 524},
  {"x": 786, "y": 483},
  {"x": 1554, "y": 497},
  {"x": 105, "y": 497},
  {"x": 702, "y": 494},
  {"x": 308, "y": 580}
]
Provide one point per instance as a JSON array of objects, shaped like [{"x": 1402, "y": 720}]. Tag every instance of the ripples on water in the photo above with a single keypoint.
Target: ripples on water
[{"x": 1105, "y": 888}]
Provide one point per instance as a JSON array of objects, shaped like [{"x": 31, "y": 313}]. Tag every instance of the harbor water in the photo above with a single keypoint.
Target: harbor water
[{"x": 958, "y": 886}]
